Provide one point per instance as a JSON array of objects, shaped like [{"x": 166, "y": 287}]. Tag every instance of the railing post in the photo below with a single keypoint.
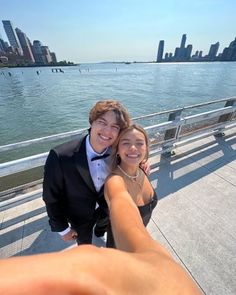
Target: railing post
[
  {"x": 226, "y": 117},
  {"x": 171, "y": 134}
]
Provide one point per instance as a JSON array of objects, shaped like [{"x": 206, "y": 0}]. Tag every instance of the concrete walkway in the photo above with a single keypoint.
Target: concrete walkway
[{"x": 195, "y": 217}]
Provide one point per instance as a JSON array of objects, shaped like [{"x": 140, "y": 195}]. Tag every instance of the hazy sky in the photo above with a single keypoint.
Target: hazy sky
[{"x": 120, "y": 30}]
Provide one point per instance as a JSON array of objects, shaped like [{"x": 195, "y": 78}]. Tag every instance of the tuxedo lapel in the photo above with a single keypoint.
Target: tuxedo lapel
[{"x": 82, "y": 165}]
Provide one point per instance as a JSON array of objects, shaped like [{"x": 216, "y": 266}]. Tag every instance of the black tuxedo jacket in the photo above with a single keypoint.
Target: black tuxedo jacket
[{"x": 68, "y": 189}]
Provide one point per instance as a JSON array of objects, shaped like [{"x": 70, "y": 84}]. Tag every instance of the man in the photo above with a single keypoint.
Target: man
[
  {"x": 145, "y": 268},
  {"x": 75, "y": 173}
]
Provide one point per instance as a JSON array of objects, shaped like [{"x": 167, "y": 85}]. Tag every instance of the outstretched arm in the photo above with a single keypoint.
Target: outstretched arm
[
  {"x": 127, "y": 226},
  {"x": 146, "y": 268}
]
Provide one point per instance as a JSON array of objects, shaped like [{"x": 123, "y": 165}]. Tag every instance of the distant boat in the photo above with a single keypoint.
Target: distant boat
[{"x": 127, "y": 63}]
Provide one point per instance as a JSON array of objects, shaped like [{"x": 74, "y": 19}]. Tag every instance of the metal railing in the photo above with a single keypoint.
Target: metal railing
[{"x": 164, "y": 137}]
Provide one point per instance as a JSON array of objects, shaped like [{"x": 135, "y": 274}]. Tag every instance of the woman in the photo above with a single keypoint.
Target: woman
[{"x": 127, "y": 178}]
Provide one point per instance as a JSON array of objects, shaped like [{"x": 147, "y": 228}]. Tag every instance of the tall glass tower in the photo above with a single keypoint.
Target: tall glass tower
[
  {"x": 183, "y": 41},
  {"x": 25, "y": 45},
  {"x": 11, "y": 35},
  {"x": 160, "y": 51}
]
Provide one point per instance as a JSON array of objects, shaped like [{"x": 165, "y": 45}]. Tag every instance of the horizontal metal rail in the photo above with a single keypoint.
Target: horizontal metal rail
[
  {"x": 79, "y": 132},
  {"x": 50, "y": 138},
  {"x": 167, "y": 145},
  {"x": 23, "y": 164},
  {"x": 185, "y": 108}
]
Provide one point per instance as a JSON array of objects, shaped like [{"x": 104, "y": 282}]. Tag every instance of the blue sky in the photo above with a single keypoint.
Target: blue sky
[{"x": 108, "y": 30}]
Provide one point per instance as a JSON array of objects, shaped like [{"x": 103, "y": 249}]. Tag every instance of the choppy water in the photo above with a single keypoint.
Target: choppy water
[{"x": 34, "y": 105}]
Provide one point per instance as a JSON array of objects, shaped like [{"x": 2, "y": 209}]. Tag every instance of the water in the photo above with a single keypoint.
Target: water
[{"x": 34, "y": 105}]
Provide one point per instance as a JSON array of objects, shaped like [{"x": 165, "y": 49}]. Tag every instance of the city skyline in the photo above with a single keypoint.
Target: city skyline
[
  {"x": 130, "y": 30},
  {"x": 20, "y": 51},
  {"x": 183, "y": 52}
]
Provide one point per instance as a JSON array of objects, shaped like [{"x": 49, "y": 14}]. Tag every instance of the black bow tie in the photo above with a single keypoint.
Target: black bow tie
[{"x": 100, "y": 157}]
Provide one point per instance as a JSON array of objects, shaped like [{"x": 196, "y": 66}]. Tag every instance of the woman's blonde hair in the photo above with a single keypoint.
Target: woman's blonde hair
[{"x": 115, "y": 158}]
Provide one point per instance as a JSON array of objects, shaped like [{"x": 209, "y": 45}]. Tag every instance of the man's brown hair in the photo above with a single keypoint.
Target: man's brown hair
[{"x": 103, "y": 106}]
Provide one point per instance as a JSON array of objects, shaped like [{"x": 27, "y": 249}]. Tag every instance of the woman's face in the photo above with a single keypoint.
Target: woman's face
[{"x": 132, "y": 147}]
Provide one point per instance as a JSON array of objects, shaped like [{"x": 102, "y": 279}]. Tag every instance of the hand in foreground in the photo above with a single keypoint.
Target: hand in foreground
[{"x": 71, "y": 235}]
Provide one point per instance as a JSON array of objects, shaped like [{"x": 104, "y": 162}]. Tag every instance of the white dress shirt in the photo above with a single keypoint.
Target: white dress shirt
[{"x": 99, "y": 169}]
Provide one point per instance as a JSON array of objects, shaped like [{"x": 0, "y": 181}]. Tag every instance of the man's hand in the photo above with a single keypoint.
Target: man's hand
[
  {"x": 71, "y": 235},
  {"x": 145, "y": 166}
]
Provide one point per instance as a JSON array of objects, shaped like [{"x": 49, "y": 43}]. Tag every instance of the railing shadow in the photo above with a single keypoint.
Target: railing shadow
[
  {"x": 183, "y": 169},
  {"x": 30, "y": 233}
]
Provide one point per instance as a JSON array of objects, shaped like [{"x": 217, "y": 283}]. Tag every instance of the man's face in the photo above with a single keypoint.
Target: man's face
[{"x": 104, "y": 131}]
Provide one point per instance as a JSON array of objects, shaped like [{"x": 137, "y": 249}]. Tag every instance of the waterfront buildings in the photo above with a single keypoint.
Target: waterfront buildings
[
  {"x": 38, "y": 53},
  {"x": 160, "y": 51},
  {"x": 229, "y": 53},
  {"x": 183, "y": 53},
  {"x": 213, "y": 51},
  {"x": 21, "y": 51},
  {"x": 25, "y": 45},
  {"x": 11, "y": 35},
  {"x": 3, "y": 46}
]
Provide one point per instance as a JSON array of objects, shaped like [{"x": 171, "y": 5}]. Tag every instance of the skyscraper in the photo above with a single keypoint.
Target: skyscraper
[
  {"x": 229, "y": 53},
  {"x": 188, "y": 51},
  {"x": 25, "y": 45},
  {"x": 182, "y": 51},
  {"x": 213, "y": 51},
  {"x": 183, "y": 41},
  {"x": 46, "y": 54},
  {"x": 2, "y": 44},
  {"x": 53, "y": 56},
  {"x": 11, "y": 35},
  {"x": 160, "y": 51},
  {"x": 37, "y": 51}
]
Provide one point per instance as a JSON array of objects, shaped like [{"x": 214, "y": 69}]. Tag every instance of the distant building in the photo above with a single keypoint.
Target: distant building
[
  {"x": 188, "y": 52},
  {"x": 160, "y": 51},
  {"x": 229, "y": 53},
  {"x": 213, "y": 51},
  {"x": 180, "y": 52},
  {"x": 177, "y": 53},
  {"x": 2, "y": 45},
  {"x": 25, "y": 45},
  {"x": 46, "y": 55},
  {"x": 11, "y": 35},
  {"x": 183, "y": 41},
  {"x": 53, "y": 56},
  {"x": 37, "y": 52}
]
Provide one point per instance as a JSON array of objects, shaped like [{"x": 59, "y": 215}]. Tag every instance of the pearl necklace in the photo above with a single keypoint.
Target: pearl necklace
[{"x": 133, "y": 178}]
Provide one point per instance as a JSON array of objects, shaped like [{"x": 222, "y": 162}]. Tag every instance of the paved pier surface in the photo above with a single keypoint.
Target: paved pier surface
[{"x": 195, "y": 217}]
